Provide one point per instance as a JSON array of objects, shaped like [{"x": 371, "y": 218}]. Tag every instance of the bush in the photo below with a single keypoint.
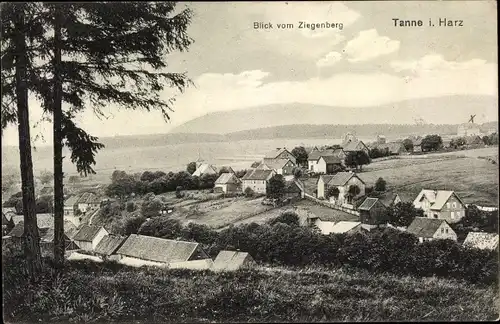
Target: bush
[
  {"x": 288, "y": 218},
  {"x": 249, "y": 193},
  {"x": 380, "y": 184}
]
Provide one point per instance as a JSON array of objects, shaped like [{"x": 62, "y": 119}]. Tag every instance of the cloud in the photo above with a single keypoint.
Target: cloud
[
  {"x": 329, "y": 59},
  {"x": 369, "y": 45},
  {"x": 433, "y": 62}
]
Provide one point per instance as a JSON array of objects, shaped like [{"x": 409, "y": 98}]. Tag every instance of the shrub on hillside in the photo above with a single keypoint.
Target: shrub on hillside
[
  {"x": 249, "y": 193},
  {"x": 288, "y": 217}
]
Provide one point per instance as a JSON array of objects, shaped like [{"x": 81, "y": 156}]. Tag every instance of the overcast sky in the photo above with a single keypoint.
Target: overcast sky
[{"x": 367, "y": 63}]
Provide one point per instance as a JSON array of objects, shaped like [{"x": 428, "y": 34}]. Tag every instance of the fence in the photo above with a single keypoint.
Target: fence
[{"x": 330, "y": 205}]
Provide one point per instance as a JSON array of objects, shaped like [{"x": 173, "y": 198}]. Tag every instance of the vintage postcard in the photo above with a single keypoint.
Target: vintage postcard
[{"x": 167, "y": 162}]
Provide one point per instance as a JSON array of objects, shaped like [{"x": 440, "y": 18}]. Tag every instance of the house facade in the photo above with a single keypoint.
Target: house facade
[
  {"x": 427, "y": 229},
  {"x": 227, "y": 183},
  {"x": 88, "y": 237},
  {"x": 281, "y": 153},
  {"x": 294, "y": 189},
  {"x": 372, "y": 213},
  {"x": 86, "y": 201},
  {"x": 280, "y": 166},
  {"x": 342, "y": 181},
  {"x": 329, "y": 164},
  {"x": 440, "y": 204},
  {"x": 257, "y": 180}
]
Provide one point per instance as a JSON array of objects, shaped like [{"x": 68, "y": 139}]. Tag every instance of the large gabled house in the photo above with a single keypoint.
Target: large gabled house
[
  {"x": 280, "y": 166},
  {"x": 342, "y": 181},
  {"x": 428, "y": 229},
  {"x": 138, "y": 250},
  {"x": 281, "y": 153},
  {"x": 257, "y": 180},
  {"x": 440, "y": 204}
]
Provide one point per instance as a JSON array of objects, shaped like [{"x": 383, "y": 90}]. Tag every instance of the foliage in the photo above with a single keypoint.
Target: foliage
[
  {"x": 403, "y": 213},
  {"x": 297, "y": 172},
  {"x": 287, "y": 217},
  {"x": 380, "y": 184},
  {"x": 300, "y": 154},
  {"x": 408, "y": 144},
  {"x": 432, "y": 143},
  {"x": 249, "y": 192},
  {"x": 132, "y": 225},
  {"x": 476, "y": 220},
  {"x": 357, "y": 159},
  {"x": 127, "y": 294},
  {"x": 354, "y": 190},
  {"x": 46, "y": 177},
  {"x": 151, "y": 208},
  {"x": 378, "y": 152},
  {"x": 130, "y": 206},
  {"x": 74, "y": 179},
  {"x": 45, "y": 204},
  {"x": 162, "y": 227},
  {"x": 332, "y": 192},
  {"x": 276, "y": 187},
  {"x": 191, "y": 167},
  {"x": 458, "y": 142}
]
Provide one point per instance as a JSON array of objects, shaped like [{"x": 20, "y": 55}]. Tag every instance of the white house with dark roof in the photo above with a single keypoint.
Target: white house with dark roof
[
  {"x": 428, "y": 229},
  {"x": 139, "y": 250},
  {"x": 257, "y": 180},
  {"x": 483, "y": 241},
  {"x": 342, "y": 181},
  {"x": 440, "y": 204},
  {"x": 228, "y": 183},
  {"x": 88, "y": 237},
  {"x": 329, "y": 164},
  {"x": 316, "y": 154}
]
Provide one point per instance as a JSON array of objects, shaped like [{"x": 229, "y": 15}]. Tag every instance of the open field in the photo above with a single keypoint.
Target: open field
[
  {"x": 474, "y": 179},
  {"x": 127, "y": 294}
]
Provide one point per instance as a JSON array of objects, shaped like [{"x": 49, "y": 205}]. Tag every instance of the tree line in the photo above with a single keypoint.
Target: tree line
[{"x": 79, "y": 56}]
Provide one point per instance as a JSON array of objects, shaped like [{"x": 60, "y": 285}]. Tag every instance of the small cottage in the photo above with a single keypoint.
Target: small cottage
[
  {"x": 88, "y": 200},
  {"x": 227, "y": 183},
  {"x": 428, "y": 229},
  {"x": 294, "y": 189},
  {"x": 483, "y": 241},
  {"x": 88, "y": 237},
  {"x": 232, "y": 260},
  {"x": 372, "y": 213}
]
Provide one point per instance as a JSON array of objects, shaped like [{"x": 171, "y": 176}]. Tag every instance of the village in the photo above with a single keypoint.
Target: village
[{"x": 328, "y": 178}]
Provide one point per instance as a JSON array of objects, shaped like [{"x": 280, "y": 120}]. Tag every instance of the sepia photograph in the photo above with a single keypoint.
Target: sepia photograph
[{"x": 235, "y": 162}]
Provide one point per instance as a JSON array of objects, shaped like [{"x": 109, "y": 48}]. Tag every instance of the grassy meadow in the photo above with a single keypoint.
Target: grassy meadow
[
  {"x": 474, "y": 178},
  {"x": 262, "y": 294}
]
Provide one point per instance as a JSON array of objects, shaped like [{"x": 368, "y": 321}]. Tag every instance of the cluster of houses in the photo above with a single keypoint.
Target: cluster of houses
[
  {"x": 97, "y": 244},
  {"x": 440, "y": 208}
]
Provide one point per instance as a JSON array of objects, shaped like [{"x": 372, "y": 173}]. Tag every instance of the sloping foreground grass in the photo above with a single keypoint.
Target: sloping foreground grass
[{"x": 108, "y": 292}]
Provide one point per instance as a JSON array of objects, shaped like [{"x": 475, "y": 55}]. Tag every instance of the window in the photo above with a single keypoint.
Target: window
[
  {"x": 442, "y": 230},
  {"x": 446, "y": 230},
  {"x": 454, "y": 205},
  {"x": 436, "y": 216},
  {"x": 452, "y": 215}
]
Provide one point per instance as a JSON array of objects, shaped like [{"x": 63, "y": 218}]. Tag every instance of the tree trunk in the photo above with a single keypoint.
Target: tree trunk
[
  {"x": 58, "y": 160},
  {"x": 31, "y": 241}
]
